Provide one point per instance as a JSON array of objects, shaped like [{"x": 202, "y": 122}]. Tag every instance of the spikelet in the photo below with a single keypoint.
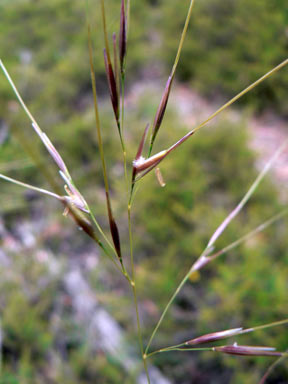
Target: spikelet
[
  {"x": 247, "y": 350},
  {"x": 210, "y": 337},
  {"x": 122, "y": 38},
  {"x": 112, "y": 85}
]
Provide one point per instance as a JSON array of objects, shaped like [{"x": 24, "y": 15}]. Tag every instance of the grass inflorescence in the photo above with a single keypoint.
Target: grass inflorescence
[{"x": 76, "y": 206}]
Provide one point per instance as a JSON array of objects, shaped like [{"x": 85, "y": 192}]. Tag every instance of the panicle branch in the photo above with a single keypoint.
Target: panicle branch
[{"x": 221, "y": 109}]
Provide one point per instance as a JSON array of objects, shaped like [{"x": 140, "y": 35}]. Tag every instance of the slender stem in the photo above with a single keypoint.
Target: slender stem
[
  {"x": 179, "y": 349},
  {"x": 177, "y": 58},
  {"x": 97, "y": 118},
  {"x": 98, "y": 128},
  {"x": 26, "y": 109},
  {"x": 144, "y": 357},
  {"x": 134, "y": 290},
  {"x": 248, "y": 194},
  {"x": 121, "y": 269},
  {"x": 132, "y": 279},
  {"x": 29, "y": 186},
  {"x": 273, "y": 366},
  {"x": 28, "y": 113},
  {"x": 228, "y": 104},
  {"x": 125, "y": 169},
  {"x": 254, "y": 232},
  {"x": 242, "y": 93},
  {"x": 167, "y": 349},
  {"x": 121, "y": 137},
  {"x": 114, "y": 262},
  {"x": 105, "y": 31},
  {"x": 184, "y": 32},
  {"x": 260, "y": 327},
  {"x": 184, "y": 280},
  {"x": 100, "y": 229}
]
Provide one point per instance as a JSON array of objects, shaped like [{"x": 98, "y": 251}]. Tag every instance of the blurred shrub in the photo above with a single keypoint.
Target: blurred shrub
[{"x": 229, "y": 45}]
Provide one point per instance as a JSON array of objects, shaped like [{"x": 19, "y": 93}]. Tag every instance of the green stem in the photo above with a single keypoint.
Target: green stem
[
  {"x": 177, "y": 58},
  {"x": 182, "y": 283},
  {"x": 100, "y": 229},
  {"x": 228, "y": 104},
  {"x": 100, "y": 143},
  {"x": 260, "y": 327},
  {"x": 113, "y": 261},
  {"x": 246, "y": 90},
  {"x": 134, "y": 290},
  {"x": 121, "y": 269},
  {"x": 28, "y": 113},
  {"x": 254, "y": 232},
  {"x": 179, "y": 349},
  {"x": 273, "y": 366},
  {"x": 248, "y": 195},
  {"x": 97, "y": 118},
  {"x": 28, "y": 186},
  {"x": 105, "y": 31},
  {"x": 121, "y": 137},
  {"x": 184, "y": 32}
]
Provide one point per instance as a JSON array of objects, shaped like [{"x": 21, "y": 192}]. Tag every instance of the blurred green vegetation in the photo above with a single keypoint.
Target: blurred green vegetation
[
  {"x": 45, "y": 50},
  {"x": 230, "y": 45}
]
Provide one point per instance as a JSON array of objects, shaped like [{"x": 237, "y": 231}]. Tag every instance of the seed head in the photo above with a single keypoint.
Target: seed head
[
  {"x": 74, "y": 196},
  {"x": 210, "y": 337},
  {"x": 161, "y": 109},
  {"x": 122, "y": 37},
  {"x": 246, "y": 350},
  {"x": 112, "y": 85},
  {"x": 142, "y": 164},
  {"x": 51, "y": 149}
]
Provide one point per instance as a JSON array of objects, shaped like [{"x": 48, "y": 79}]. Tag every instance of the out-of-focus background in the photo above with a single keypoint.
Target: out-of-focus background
[{"x": 66, "y": 315}]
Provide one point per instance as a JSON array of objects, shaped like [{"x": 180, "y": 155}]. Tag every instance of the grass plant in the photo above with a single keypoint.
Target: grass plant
[{"x": 77, "y": 208}]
